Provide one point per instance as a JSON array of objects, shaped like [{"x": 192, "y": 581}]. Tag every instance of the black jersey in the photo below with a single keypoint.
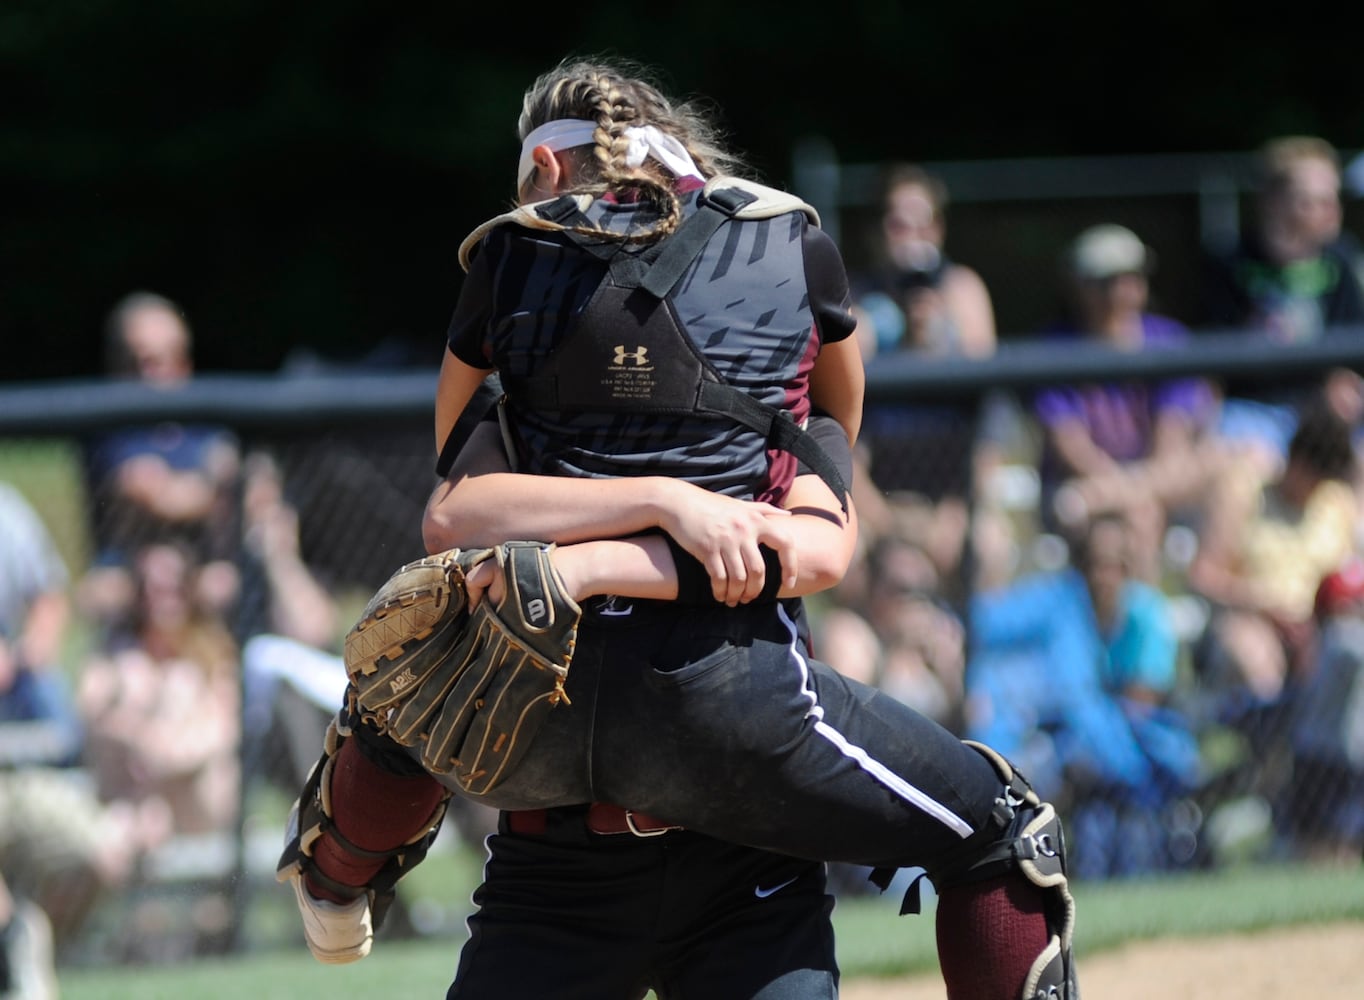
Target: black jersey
[{"x": 757, "y": 303}]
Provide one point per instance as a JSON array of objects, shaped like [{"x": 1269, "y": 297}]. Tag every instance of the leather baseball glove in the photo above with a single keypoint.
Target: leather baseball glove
[{"x": 470, "y": 687}]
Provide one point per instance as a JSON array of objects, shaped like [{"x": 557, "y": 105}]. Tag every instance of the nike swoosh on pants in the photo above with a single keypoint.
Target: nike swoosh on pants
[{"x": 762, "y": 893}]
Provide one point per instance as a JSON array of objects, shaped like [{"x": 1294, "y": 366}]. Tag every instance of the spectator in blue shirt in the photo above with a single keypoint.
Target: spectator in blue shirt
[
  {"x": 165, "y": 481},
  {"x": 1072, "y": 672}
]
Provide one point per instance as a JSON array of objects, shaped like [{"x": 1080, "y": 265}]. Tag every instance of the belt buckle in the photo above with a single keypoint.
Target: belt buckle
[{"x": 630, "y": 822}]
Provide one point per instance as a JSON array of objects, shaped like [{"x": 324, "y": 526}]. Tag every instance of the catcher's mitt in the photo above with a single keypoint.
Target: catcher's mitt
[{"x": 471, "y": 687}]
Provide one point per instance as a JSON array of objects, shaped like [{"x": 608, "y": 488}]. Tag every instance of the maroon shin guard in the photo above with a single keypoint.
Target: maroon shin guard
[
  {"x": 373, "y": 809},
  {"x": 989, "y": 935}
]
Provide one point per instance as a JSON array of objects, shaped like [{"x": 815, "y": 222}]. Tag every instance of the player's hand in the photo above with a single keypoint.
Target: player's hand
[
  {"x": 724, "y": 534},
  {"x": 484, "y": 581}
]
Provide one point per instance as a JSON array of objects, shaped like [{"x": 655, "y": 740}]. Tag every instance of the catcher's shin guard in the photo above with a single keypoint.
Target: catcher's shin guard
[
  {"x": 335, "y": 932},
  {"x": 1029, "y": 841}
]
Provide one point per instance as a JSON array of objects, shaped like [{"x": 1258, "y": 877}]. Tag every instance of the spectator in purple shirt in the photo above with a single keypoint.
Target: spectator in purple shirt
[{"x": 1130, "y": 447}]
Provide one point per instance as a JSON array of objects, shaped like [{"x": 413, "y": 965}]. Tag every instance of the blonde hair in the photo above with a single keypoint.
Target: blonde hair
[
  {"x": 1280, "y": 156},
  {"x": 617, "y": 95}
]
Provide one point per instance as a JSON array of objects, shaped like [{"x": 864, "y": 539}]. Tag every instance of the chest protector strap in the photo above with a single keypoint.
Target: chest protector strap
[{"x": 627, "y": 351}]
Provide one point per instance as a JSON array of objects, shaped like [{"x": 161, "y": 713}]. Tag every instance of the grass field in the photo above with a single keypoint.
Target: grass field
[{"x": 872, "y": 939}]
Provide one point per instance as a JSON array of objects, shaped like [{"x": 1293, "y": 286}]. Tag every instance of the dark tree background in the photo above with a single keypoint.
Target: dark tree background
[{"x": 299, "y": 175}]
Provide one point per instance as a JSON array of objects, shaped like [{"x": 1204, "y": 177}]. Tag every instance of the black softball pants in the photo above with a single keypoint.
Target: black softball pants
[{"x": 717, "y": 719}]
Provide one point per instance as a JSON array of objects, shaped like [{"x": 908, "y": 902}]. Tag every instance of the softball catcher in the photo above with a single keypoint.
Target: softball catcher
[{"x": 661, "y": 321}]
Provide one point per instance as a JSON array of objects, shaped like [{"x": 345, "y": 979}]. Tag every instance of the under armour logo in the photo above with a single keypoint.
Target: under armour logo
[{"x": 640, "y": 356}]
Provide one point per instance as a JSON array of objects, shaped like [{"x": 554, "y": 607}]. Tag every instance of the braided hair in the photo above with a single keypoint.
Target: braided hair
[{"x": 617, "y": 96}]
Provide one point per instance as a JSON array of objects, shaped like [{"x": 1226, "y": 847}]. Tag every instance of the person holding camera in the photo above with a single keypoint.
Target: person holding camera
[
  {"x": 909, "y": 479},
  {"x": 919, "y": 299}
]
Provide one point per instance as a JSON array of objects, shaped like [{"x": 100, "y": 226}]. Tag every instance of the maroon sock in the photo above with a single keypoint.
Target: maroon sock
[
  {"x": 989, "y": 935},
  {"x": 373, "y": 809}
]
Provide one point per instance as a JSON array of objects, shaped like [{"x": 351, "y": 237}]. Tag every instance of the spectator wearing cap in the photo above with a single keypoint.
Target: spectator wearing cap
[{"x": 1139, "y": 448}]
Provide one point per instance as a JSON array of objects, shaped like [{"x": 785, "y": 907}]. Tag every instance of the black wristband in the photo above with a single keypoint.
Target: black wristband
[
  {"x": 772, "y": 580},
  {"x": 694, "y": 584}
]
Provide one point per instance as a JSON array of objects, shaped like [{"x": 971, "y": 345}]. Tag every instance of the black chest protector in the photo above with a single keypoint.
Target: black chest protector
[{"x": 627, "y": 350}]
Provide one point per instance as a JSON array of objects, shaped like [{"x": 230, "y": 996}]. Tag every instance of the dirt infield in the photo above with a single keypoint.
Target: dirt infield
[{"x": 1322, "y": 962}]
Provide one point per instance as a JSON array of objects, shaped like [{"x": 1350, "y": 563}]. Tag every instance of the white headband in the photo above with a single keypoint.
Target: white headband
[
  {"x": 645, "y": 140},
  {"x": 562, "y": 133}
]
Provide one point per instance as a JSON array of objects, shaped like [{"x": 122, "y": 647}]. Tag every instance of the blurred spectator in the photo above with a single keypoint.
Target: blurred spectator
[
  {"x": 917, "y": 464},
  {"x": 1259, "y": 564},
  {"x": 917, "y": 298},
  {"x": 1292, "y": 274},
  {"x": 35, "y": 611},
  {"x": 59, "y": 850},
  {"x": 160, "y": 699},
  {"x": 1071, "y": 675},
  {"x": 1261, "y": 561},
  {"x": 160, "y": 704},
  {"x": 159, "y": 482},
  {"x": 900, "y": 637},
  {"x": 294, "y": 679},
  {"x": 1325, "y": 811},
  {"x": 1142, "y": 448}
]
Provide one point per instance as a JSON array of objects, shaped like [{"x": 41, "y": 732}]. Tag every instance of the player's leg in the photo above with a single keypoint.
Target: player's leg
[
  {"x": 729, "y": 730},
  {"x": 562, "y": 912},
  {"x": 1005, "y": 916},
  {"x": 755, "y": 743},
  {"x": 743, "y": 924},
  {"x": 366, "y": 816},
  {"x": 994, "y": 850}
]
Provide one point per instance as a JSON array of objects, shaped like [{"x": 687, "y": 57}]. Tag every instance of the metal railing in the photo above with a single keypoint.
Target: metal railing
[{"x": 1218, "y": 181}]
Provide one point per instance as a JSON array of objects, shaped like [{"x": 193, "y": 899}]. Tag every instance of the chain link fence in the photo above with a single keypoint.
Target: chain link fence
[{"x": 1276, "y": 773}]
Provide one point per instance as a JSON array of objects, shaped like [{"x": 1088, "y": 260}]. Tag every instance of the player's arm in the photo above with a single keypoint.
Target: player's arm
[
  {"x": 838, "y": 378},
  {"x": 480, "y": 503},
  {"x": 644, "y": 566},
  {"x": 455, "y": 388},
  {"x": 464, "y": 367},
  {"x": 838, "y": 383}
]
